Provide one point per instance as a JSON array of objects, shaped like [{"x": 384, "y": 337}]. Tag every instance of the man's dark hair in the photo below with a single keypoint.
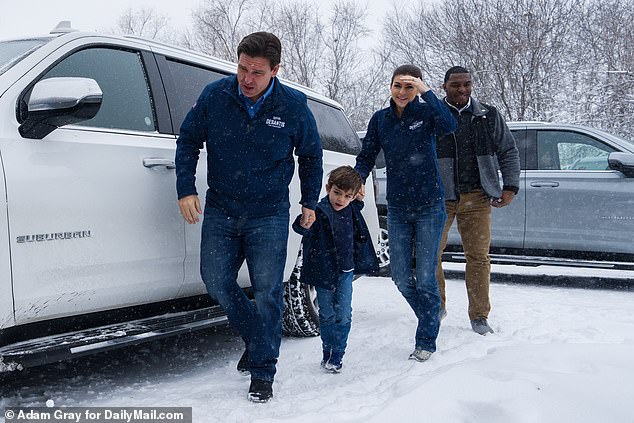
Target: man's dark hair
[
  {"x": 411, "y": 70},
  {"x": 455, "y": 69},
  {"x": 346, "y": 178},
  {"x": 262, "y": 44}
]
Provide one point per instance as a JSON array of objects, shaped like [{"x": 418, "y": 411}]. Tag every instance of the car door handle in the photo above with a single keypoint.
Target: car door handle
[
  {"x": 152, "y": 162},
  {"x": 545, "y": 184}
]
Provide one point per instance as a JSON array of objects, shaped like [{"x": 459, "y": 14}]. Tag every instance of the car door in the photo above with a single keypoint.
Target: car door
[
  {"x": 574, "y": 202},
  {"x": 508, "y": 223},
  {"x": 92, "y": 210}
]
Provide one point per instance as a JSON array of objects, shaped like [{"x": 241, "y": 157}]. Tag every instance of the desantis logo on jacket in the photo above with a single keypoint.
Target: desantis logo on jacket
[
  {"x": 416, "y": 125},
  {"x": 275, "y": 122}
]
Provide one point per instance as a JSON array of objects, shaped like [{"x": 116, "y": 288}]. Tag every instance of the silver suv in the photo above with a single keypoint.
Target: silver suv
[
  {"x": 575, "y": 205},
  {"x": 93, "y": 251}
]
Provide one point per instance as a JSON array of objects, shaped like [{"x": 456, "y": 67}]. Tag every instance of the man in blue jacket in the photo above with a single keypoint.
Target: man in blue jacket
[{"x": 251, "y": 124}]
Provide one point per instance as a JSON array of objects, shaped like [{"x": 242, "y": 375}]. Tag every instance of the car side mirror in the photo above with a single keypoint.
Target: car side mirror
[
  {"x": 623, "y": 162},
  {"x": 55, "y": 102}
]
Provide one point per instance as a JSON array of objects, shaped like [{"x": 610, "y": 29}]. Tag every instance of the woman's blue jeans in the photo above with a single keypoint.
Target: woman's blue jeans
[
  {"x": 226, "y": 243},
  {"x": 335, "y": 314},
  {"x": 419, "y": 229}
]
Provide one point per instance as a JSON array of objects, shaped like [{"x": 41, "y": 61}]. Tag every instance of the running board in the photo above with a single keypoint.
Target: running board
[
  {"x": 63, "y": 346},
  {"x": 543, "y": 261}
]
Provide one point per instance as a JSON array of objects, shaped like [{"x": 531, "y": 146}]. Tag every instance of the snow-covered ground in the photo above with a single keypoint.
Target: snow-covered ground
[{"x": 558, "y": 355}]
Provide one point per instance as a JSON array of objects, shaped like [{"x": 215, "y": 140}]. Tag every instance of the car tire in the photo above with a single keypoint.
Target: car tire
[
  {"x": 383, "y": 252},
  {"x": 301, "y": 312}
]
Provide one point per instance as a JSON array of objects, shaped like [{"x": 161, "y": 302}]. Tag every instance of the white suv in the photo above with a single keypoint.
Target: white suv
[{"x": 93, "y": 251}]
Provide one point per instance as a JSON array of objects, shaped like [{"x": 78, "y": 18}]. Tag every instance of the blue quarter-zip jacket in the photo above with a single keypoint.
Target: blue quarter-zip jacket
[
  {"x": 250, "y": 160},
  {"x": 409, "y": 145}
]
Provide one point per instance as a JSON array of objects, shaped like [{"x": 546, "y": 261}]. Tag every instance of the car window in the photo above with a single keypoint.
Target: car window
[
  {"x": 566, "y": 150},
  {"x": 189, "y": 80},
  {"x": 334, "y": 129},
  {"x": 126, "y": 100}
]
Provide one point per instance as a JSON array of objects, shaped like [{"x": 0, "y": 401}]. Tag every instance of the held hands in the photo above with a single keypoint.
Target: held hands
[
  {"x": 361, "y": 194},
  {"x": 190, "y": 208},
  {"x": 308, "y": 218},
  {"x": 505, "y": 200}
]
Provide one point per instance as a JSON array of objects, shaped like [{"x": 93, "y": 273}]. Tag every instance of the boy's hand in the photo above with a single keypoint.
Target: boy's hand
[{"x": 308, "y": 218}]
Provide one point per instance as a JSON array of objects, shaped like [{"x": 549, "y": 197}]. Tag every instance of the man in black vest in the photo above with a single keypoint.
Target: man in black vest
[{"x": 469, "y": 160}]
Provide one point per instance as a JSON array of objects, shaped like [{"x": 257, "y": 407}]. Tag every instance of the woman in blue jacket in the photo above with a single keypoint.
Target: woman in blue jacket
[{"x": 407, "y": 132}]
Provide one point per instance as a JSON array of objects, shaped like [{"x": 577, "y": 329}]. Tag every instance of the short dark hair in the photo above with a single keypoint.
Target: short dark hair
[
  {"x": 411, "y": 70},
  {"x": 455, "y": 69},
  {"x": 262, "y": 44},
  {"x": 346, "y": 178}
]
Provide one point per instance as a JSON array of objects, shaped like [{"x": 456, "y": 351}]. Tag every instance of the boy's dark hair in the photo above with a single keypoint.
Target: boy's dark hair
[
  {"x": 262, "y": 44},
  {"x": 455, "y": 69},
  {"x": 346, "y": 178},
  {"x": 411, "y": 70}
]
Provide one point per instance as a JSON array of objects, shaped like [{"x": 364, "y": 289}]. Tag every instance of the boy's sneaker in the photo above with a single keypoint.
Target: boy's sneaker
[
  {"x": 420, "y": 355},
  {"x": 243, "y": 363},
  {"x": 481, "y": 326},
  {"x": 334, "y": 363},
  {"x": 260, "y": 390}
]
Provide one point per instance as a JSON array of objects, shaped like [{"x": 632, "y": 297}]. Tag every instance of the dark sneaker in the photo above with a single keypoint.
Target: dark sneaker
[
  {"x": 243, "y": 364},
  {"x": 260, "y": 390},
  {"x": 420, "y": 355},
  {"x": 481, "y": 326},
  {"x": 442, "y": 313},
  {"x": 334, "y": 363}
]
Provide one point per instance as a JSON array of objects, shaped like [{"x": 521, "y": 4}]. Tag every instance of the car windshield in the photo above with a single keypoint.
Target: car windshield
[{"x": 12, "y": 51}]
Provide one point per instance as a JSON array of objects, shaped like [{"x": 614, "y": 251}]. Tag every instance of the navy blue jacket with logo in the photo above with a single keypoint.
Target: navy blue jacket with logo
[
  {"x": 409, "y": 145},
  {"x": 320, "y": 265},
  {"x": 250, "y": 160}
]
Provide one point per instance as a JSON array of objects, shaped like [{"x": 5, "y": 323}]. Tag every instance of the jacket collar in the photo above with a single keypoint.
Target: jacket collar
[{"x": 477, "y": 108}]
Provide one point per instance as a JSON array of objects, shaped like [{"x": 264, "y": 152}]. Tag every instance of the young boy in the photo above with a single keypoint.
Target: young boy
[{"x": 337, "y": 245}]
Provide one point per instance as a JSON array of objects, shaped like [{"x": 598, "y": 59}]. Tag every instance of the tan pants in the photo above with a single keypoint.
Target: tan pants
[{"x": 473, "y": 213}]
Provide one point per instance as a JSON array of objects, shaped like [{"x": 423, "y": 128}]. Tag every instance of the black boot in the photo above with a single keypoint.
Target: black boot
[
  {"x": 243, "y": 364},
  {"x": 260, "y": 390}
]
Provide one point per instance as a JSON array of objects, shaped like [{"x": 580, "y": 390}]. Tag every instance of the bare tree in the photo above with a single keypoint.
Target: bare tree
[
  {"x": 300, "y": 29},
  {"x": 219, "y": 25},
  {"x": 345, "y": 30},
  {"x": 604, "y": 69},
  {"x": 516, "y": 48},
  {"x": 145, "y": 22}
]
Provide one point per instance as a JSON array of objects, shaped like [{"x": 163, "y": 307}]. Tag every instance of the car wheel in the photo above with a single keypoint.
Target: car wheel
[
  {"x": 383, "y": 252},
  {"x": 301, "y": 312}
]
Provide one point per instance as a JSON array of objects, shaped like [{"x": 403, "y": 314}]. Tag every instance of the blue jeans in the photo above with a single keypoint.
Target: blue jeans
[
  {"x": 226, "y": 243},
  {"x": 335, "y": 314},
  {"x": 421, "y": 228}
]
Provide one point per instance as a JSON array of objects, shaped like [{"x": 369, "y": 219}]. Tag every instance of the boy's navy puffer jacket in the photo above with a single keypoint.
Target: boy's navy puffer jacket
[{"x": 320, "y": 266}]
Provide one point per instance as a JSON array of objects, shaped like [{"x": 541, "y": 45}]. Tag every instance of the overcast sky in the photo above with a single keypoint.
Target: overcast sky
[{"x": 36, "y": 17}]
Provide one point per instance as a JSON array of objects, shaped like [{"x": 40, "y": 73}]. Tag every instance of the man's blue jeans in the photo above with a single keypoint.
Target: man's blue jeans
[
  {"x": 335, "y": 314},
  {"x": 226, "y": 243},
  {"x": 422, "y": 228}
]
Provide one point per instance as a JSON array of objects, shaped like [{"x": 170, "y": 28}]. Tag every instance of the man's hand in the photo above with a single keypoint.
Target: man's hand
[
  {"x": 190, "y": 208},
  {"x": 361, "y": 194},
  {"x": 308, "y": 218},
  {"x": 505, "y": 200}
]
